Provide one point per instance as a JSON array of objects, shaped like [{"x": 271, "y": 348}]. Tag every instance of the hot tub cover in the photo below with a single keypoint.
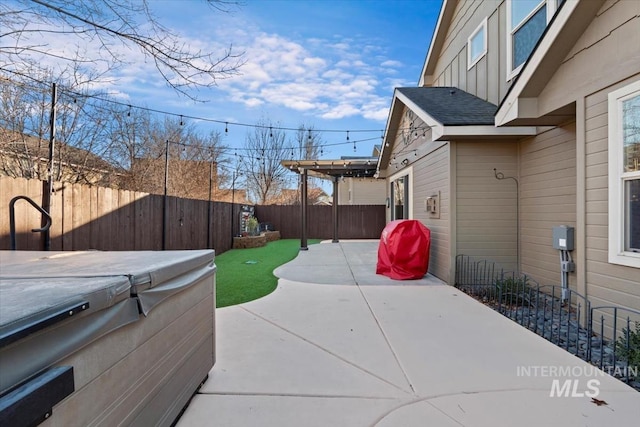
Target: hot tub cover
[
  {"x": 153, "y": 275},
  {"x": 54, "y": 303}
]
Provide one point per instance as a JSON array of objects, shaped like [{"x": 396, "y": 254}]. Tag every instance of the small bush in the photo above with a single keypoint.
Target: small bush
[
  {"x": 513, "y": 290},
  {"x": 629, "y": 350}
]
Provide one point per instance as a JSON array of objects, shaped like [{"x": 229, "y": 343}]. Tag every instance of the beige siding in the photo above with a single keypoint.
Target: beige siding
[
  {"x": 430, "y": 176},
  {"x": 547, "y": 199},
  {"x": 486, "y": 207},
  {"x": 427, "y": 164},
  {"x": 614, "y": 34},
  {"x": 606, "y": 283},
  {"x": 362, "y": 191},
  {"x": 487, "y": 78}
]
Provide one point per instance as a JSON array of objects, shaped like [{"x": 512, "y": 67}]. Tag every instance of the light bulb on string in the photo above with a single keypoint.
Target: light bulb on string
[
  {"x": 181, "y": 122},
  {"x": 347, "y": 135},
  {"x": 226, "y": 127},
  {"x": 270, "y": 131},
  {"x": 354, "y": 146}
]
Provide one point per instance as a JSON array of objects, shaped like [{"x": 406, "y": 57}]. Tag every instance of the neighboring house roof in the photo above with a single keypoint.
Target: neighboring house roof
[{"x": 451, "y": 106}]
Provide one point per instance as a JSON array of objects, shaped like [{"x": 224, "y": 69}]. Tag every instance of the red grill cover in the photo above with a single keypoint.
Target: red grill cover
[{"x": 403, "y": 252}]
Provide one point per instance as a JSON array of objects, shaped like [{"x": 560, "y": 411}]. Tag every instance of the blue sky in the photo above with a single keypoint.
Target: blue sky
[{"x": 327, "y": 64}]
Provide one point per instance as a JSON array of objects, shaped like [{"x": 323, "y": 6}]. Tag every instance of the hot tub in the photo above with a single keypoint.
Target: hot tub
[{"x": 104, "y": 338}]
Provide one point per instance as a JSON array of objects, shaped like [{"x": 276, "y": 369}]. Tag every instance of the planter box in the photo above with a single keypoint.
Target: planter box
[
  {"x": 249, "y": 242},
  {"x": 271, "y": 235}
]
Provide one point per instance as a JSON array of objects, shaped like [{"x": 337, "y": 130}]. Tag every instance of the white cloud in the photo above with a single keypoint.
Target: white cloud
[
  {"x": 391, "y": 63},
  {"x": 328, "y": 78}
]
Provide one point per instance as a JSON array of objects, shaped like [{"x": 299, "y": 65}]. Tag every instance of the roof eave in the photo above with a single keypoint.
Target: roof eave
[
  {"x": 520, "y": 105},
  {"x": 449, "y": 133},
  {"x": 437, "y": 41}
]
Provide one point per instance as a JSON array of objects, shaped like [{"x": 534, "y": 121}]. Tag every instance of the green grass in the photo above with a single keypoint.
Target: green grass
[{"x": 246, "y": 274}]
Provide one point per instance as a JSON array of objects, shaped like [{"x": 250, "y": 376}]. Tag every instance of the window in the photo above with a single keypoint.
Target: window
[
  {"x": 400, "y": 198},
  {"x": 624, "y": 176},
  {"x": 477, "y": 45},
  {"x": 526, "y": 21}
]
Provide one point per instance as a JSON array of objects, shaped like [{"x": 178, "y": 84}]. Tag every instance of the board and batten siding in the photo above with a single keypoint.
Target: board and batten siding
[
  {"x": 606, "y": 283},
  {"x": 547, "y": 199},
  {"x": 431, "y": 175},
  {"x": 487, "y": 79},
  {"x": 486, "y": 226}
]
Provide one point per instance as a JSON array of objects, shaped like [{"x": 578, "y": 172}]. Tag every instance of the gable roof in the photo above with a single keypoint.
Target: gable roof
[
  {"x": 451, "y": 113},
  {"x": 451, "y": 106}
]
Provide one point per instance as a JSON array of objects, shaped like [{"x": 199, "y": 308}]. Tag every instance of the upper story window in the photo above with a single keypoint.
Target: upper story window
[
  {"x": 477, "y": 45},
  {"x": 526, "y": 21},
  {"x": 624, "y": 175}
]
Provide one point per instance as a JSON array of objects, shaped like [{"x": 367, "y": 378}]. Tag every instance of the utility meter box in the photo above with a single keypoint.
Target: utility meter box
[{"x": 563, "y": 237}]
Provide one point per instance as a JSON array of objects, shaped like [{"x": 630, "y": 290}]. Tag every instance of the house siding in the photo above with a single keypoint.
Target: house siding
[
  {"x": 584, "y": 77},
  {"x": 613, "y": 34},
  {"x": 547, "y": 199},
  {"x": 361, "y": 191},
  {"x": 606, "y": 283},
  {"x": 431, "y": 175},
  {"x": 427, "y": 164},
  {"x": 486, "y": 207},
  {"x": 487, "y": 78}
]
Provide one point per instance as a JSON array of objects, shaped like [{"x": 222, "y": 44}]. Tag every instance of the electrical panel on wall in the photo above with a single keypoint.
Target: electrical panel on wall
[{"x": 432, "y": 206}]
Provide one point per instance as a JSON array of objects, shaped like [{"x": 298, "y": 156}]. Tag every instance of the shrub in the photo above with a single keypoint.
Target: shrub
[{"x": 629, "y": 348}]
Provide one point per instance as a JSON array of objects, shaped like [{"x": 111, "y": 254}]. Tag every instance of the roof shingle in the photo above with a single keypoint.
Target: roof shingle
[{"x": 451, "y": 106}]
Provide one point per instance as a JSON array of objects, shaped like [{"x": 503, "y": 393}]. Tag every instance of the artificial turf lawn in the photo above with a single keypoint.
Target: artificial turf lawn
[{"x": 238, "y": 281}]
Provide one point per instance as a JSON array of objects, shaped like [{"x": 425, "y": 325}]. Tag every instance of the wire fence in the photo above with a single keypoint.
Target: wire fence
[{"x": 607, "y": 337}]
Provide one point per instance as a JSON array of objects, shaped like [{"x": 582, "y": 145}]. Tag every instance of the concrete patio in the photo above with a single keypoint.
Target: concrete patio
[{"x": 335, "y": 344}]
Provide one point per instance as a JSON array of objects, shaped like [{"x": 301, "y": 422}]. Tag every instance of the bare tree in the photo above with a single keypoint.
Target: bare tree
[
  {"x": 192, "y": 160},
  {"x": 25, "y": 24},
  {"x": 265, "y": 146},
  {"x": 306, "y": 143},
  {"x": 25, "y": 125}
]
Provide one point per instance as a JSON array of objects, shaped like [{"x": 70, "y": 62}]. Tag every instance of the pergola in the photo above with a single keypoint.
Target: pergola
[{"x": 333, "y": 170}]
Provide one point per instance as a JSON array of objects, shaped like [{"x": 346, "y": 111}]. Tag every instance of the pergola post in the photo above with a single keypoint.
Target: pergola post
[
  {"x": 335, "y": 209},
  {"x": 303, "y": 204}
]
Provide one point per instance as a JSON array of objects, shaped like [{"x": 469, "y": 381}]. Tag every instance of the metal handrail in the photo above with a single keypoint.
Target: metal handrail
[{"x": 12, "y": 219}]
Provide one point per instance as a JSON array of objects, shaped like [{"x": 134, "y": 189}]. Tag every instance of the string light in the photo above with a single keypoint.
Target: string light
[{"x": 226, "y": 123}]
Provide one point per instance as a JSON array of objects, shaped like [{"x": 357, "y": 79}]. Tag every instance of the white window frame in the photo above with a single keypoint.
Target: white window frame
[
  {"x": 471, "y": 62},
  {"x": 409, "y": 188},
  {"x": 617, "y": 177},
  {"x": 552, "y": 6}
]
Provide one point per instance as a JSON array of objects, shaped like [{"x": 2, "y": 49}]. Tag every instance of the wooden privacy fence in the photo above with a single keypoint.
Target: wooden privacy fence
[
  {"x": 354, "y": 221},
  {"x": 86, "y": 217}
]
